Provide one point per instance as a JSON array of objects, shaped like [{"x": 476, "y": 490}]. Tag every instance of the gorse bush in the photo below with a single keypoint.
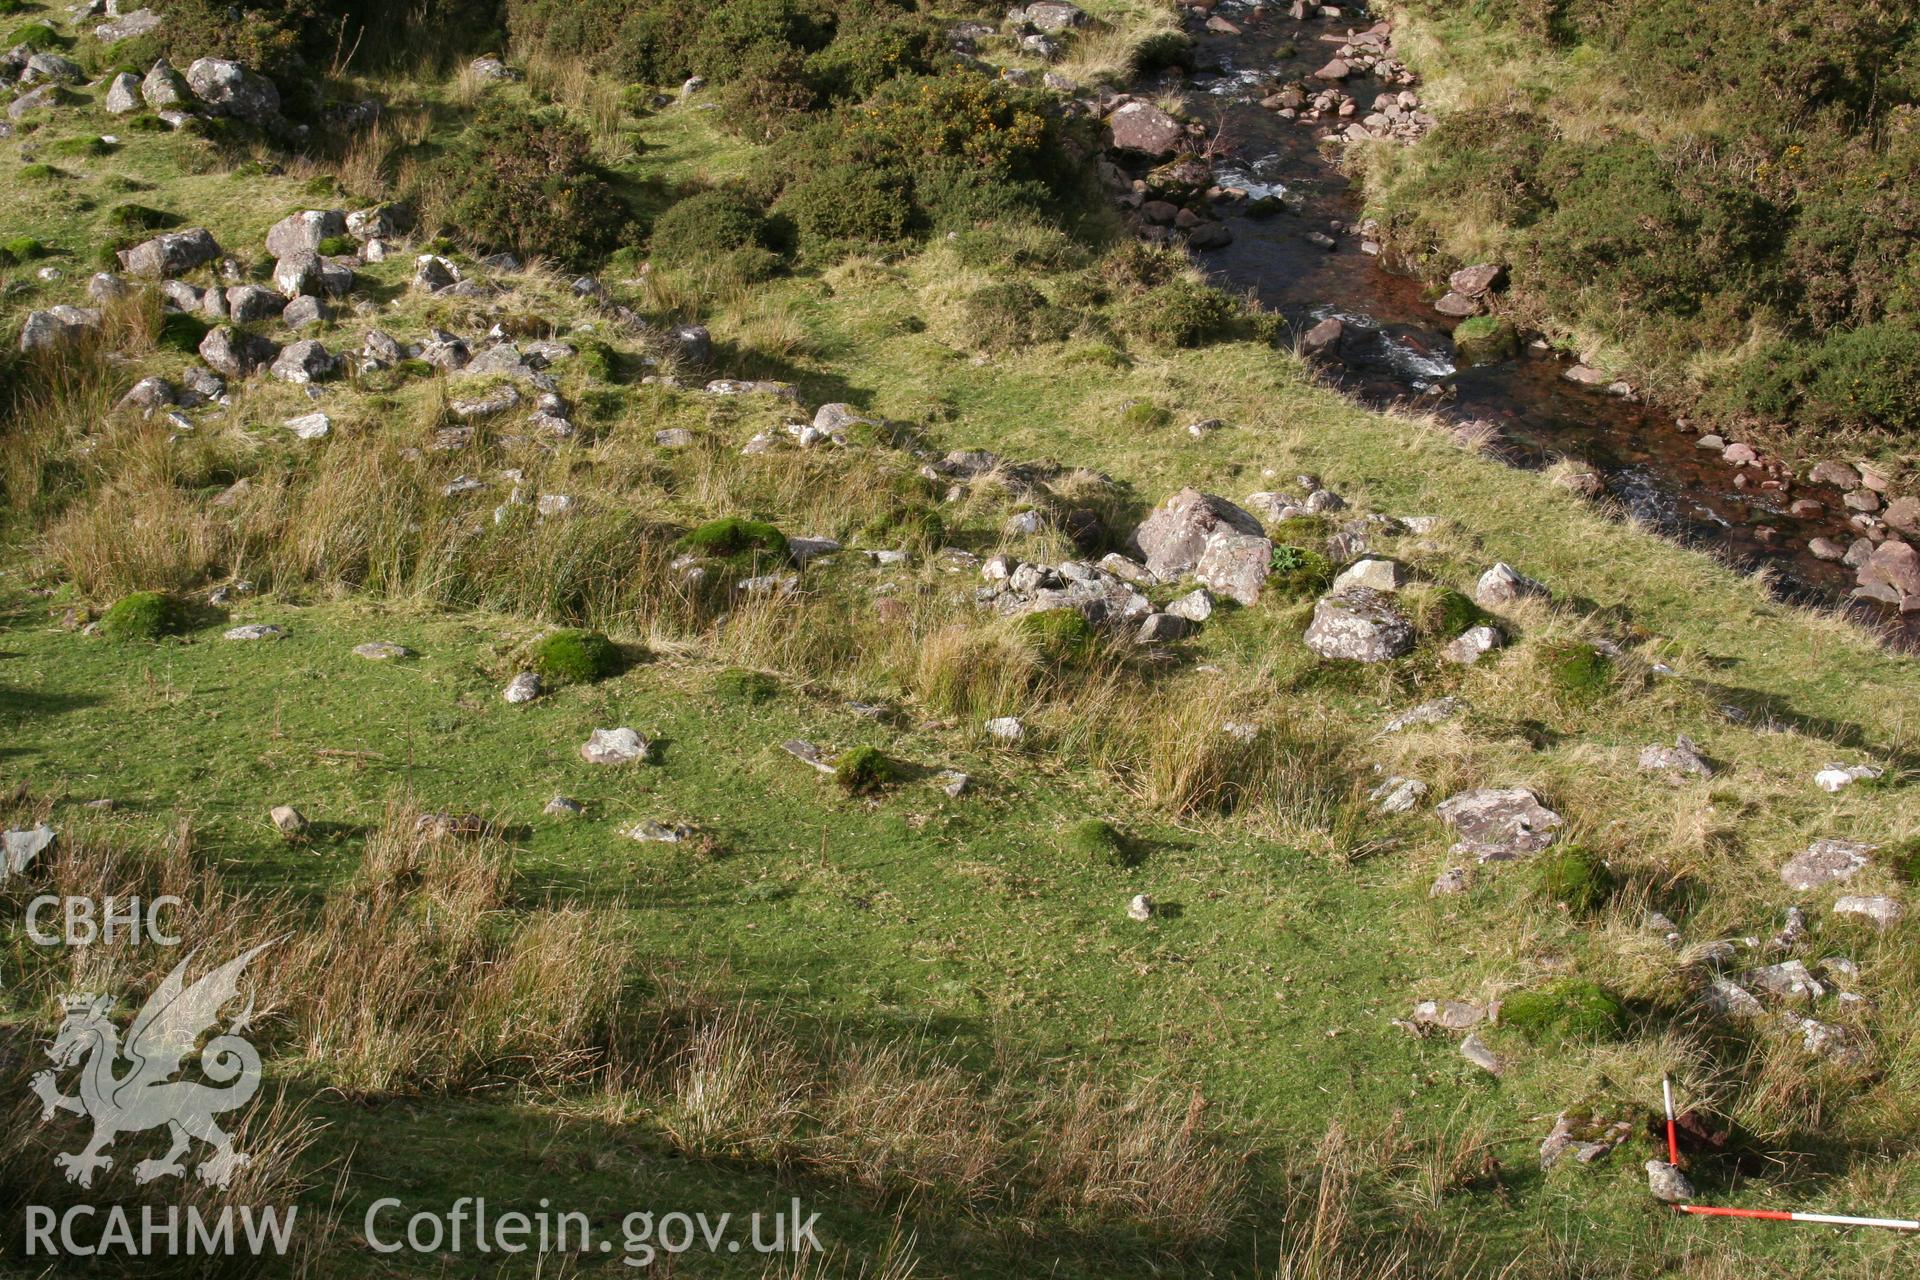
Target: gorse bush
[
  {"x": 1012, "y": 314},
  {"x": 542, "y": 194},
  {"x": 710, "y": 224}
]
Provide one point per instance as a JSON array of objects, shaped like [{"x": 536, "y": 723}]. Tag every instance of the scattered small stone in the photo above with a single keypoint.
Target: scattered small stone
[
  {"x": 287, "y": 820},
  {"x": 1838, "y": 777},
  {"x": 310, "y": 426},
  {"x": 1473, "y": 644},
  {"x": 564, "y": 807},
  {"x": 1452, "y": 1015},
  {"x": 524, "y": 687},
  {"x": 614, "y": 746},
  {"x": 255, "y": 631},
  {"x": 1006, "y": 729},
  {"x": 1475, "y": 1050},
  {"x": 1449, "y": 882},
  {"x": 1503, "y": 584},
  {"x": 381, "y": 651},
  {"x": 1141, "y": 908},
  {"x": 1788, "y": 980},
  {"x": 1680, "y": 758},
  {"x": 1731, "y": 1000},
  {"x": 1434, "y": 712},
  {"x": 1882, "y": 912},
  {"x": 659, "y": 833},
  {"x": 1499, "y": 824},
  {"x": 22, "y": 846},
  {"x": 953, "y": 782},
  {"x": 1842, "y": 1046},
  {"x": 1398, "y": 795},
  {"x": 801, "y": 749}
]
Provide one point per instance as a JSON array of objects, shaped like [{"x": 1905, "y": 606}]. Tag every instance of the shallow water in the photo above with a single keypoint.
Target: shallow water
[{"x": 1397, "y": 351}]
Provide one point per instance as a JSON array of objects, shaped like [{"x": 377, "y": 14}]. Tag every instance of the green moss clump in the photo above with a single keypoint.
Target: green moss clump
[
  {"x": 1575, "y": 878},
  {"x": 864, "y": 770},
  {"x": 1440, "y": 612},
  {"x": 81, "y": 148},
  {"x": 21, "y": 249},
  {"x": 1485, "y": 340},
  {"x": 337, "y": 247},
  {"x": 147, "y": 122},
  {"x": 1145, "y": 415},
  {"x": 737, "y": 536},
  {"x": 1578, "y": 672},
  {"x": 600, "y": 361},
  {"x": 40, "y": 173},
  {"x": 1566, "y": 1010},
  {"x": 144, "y": 615},
  {"x": 139, "y": 217},
  {"x": 738, "y": 684},
  {"x": 1099, "y": 841},
  {"x": 1299, "y": 571},
  {"x": 37, "y": 36},
  {"x": 576, "y": 656},
  {"x": 1058, "y": 635}
]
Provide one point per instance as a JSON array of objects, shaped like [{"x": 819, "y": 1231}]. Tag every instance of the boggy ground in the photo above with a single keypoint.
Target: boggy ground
[{"x": 928, "y": 1016}]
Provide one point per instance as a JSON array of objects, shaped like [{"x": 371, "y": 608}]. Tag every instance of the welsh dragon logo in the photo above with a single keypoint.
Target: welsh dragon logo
[{"x": 146, "y": 1096}]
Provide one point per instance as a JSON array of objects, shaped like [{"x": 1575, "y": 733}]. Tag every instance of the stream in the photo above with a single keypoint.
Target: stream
[{"x": 1397, "y": 350}]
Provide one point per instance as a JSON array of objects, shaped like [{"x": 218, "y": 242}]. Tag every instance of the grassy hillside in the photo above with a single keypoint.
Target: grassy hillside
[
  {"x": 1719, "y": 197},
  {"x": 928, "y": 1016}
]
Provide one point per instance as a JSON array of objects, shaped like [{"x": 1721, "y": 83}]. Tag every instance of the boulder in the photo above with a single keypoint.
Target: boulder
[
  {"x": 127, "y": 25},
  {"x": 1680, "y": 758},
  {"x": 229, "y": 89},
  {"x": 303, "y": 362},
  {"x": 162, "y": 87},
  {"x": 1473, "y": 644},
  {"x": 376, "y": 223},
  {"x": 614, "y": 746},
  {"x": 1173, "y": 539},
  {"x": 1195, "y": 606},
  {"x": 1323, "y": 339},
  {"x": 1503, "y": 584},
  {"x": 1892, "y": 575},
  {"x": 434, "y": 273},
  {"x": 304, "y": 311},
  {"x": 1144, "y": 129},
  {"x": 524, "y": 687},
  {"x": 1162, "y": 628},
  {"x": 1826, "y": 862},
  {"x": 310, "y": 426},
  {"x": 287, "y": 820},
  {"x": 123, "y": 94},
  {"x": 170, "y": 254},
  {"x": 1478, "y": 280},
  {"x": 43, "y": 68},
  {"x": 1879, "y": 911},
  {"x": 1054, "y": 17},
  {"x": 247, "y": 303},
  {"x": 1499, "y": 824},
  {"x": 1236, "y": 565},
  {"x": 1359, "y": 626},
  {"x": 298, "y": 273},
  {"x": 44, "y": 98},
  {"x": 1903, "y": 514},
  {"x": 55, "y": 327},
  {"x": 234, "y": 352},
  {"x": 305, "y": 231},
  {"x": 1667, "y": 1183},
  {"x": 1373, "y": 574}
]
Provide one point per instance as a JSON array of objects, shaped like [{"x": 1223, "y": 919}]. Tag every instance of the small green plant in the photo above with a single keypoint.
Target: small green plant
[
  {"x": 1012, "y": 315},
  {"x": 21, "y": 249},
  {"x": 1098, "y": 841},
  {"x": 1058, "y": 635},
  {"x": 600, "y": 361},
  {"x": 1145, "y": 415},
  {"x": 1904, "y": 858},
  {"x": 737, "y": 536},
  {"x": 37, "y": 36},
  {"x": 1439, "y": 613},
  {"x": 1564, "y": 1011},
  {"x": 753, "y": 688},
  {"x": 578, "y": 657},
  {"x": 81, "y": 148},
  {"x": 1580, "y": 673},
  {"x": 338, "y": 247},
  {"x": 1573, "y": 877},
  {"x": 1299, "y": 571},
  {"x": 40, "y": 174},
  {"x": 144, "y": 615},
  {"x": 864, "y": 770}
]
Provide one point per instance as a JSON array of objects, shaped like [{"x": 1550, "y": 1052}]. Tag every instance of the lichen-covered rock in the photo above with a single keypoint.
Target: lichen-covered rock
[
  {"x": 614, "y": 746},
  {"x": 1359, "y": 626},
  {"x": 163, "y": 88},
  {"x": 236, "y": 353},
  {"x": 305, "y": 231},
  {"x": 1236, "y": 565},
  {"x": 1144, "y": 129},
  {"x": 1473, "y": 644},
  {"x": 229, "y": 89},
  {"x": 1826, "y": 862},
  {"x": 1173, "y": 539},
  {"x": 1499, "y": 824},
  {"x": 1503, "y": 584},
  {"x": 170, "y": 254},
  {"x": 55, "y": 327},
  {"x": 303, "y": 362},
  {"x": 123, "y": 94}
]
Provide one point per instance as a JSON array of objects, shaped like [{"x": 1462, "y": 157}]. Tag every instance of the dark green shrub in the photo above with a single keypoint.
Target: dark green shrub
[
  {"x": 859, "y": 61},
  {"x": 1058, "y": 635},
  {"x": 1863, "y": 379},
  {"x": 578, "y": 657},
  {"x": 738, "y": 684},
  {"x": 1485, "y": 340},
  {"x": 1904, "y": 858},
  {"x": 737, "y": 536},
  {"x": 1181, "y": 313},
  {"x": 1564, "y": 1011},
  {"x": 708, "y": 225},
  {"x": 864, "y": 770},
  {"x": 1162, "y": 51},
  {"x": 544, "y": 195},
  {"x": 1012, "y": 314},
  {"x": 600, "y": 362},
  {"x": 1097, "y": 841},
  {"x": 138, "y": 217},
  {"x": 144, "y": 615},
  {"x": 1571, "y": 876},
  {"x": 1577, "y": 671},
  {"x": 9, "y": 8},
  {"x": 1299, "y": 571},
  {"x": 769, "y": 96},
  {"x": 845, "y": 205}
]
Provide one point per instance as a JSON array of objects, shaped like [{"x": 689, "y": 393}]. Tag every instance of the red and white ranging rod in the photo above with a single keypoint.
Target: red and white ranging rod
[{"x": 1768, "y": 1215}]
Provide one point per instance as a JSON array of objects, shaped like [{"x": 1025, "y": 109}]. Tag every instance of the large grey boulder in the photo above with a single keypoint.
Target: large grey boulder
[
  {"x": 249, "y": 302},
  {"x": 1144, "y": 129},
  {"x": 234, "y": 352},
  {"x": 303, "y": 362},
  {"x": 170, "y": 254},
  {"x": 123, "y": 94},
  {"x": 1236, "y": 565},
  {"x": 163, "y": 88},
  {"x": 614, "y": 746},
  {"x": 1892, "y": 575},
  {"x": 126, "y": 26},
  {"x": 1173, "y": 539},
  {"x": 305, "y": 230},
  {"x": 51, "y": 68},
  {"x": 1054, "y": 17},
  {"x": 55, "y": 327},
  {"x": 229, "y": 89},
  {"x": 1499, "y": 824},
  {"x": 46, "y": 97},
  {"x": 1359, "y": 626}
]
